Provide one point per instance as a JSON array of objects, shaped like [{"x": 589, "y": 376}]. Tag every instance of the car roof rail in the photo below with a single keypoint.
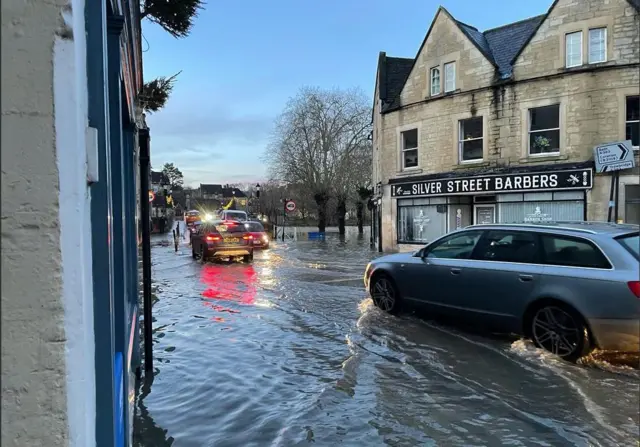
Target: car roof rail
[{"x": 534, "y": 225}]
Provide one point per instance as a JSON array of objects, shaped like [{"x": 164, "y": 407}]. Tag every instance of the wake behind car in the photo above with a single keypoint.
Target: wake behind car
[
  {"x": 570, "y": 287},
  {"x": 222, "y": 239},
  {"x": 260, "y": 236}
]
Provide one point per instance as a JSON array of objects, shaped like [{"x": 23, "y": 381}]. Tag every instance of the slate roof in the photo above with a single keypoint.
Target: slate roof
[
  {"x": 232, "y": 192},
  {"x": 159, "y": 178},
  {"x": 393, "y": 73},
  {"x": 210, "y": 189}
]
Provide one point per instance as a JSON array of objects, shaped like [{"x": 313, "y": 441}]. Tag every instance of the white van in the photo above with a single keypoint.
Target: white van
[{"x": 240, "y": 216}]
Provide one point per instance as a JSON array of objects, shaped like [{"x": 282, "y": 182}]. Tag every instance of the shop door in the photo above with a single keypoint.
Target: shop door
[{"x": 484, "y": 214}]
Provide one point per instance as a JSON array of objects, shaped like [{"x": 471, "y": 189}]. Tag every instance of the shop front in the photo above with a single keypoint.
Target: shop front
[{"x": 431, "y": 206}]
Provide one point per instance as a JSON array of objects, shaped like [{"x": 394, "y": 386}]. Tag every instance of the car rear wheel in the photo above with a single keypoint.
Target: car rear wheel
[
  {"x": 248, "y": 258},
  {"x": 385, "y": 294},
  {"x": 561, "y": 331}
]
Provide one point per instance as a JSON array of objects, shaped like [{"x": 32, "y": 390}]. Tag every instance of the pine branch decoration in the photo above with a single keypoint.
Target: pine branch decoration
[
  {"x": 155, "y": 93},
  {"x": 175, "y": 16}
]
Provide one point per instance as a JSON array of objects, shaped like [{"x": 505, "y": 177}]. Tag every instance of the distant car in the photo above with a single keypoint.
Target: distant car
[
  {"x": 240, "y": 216},
  {"x": 190, "y": 217},
  {"x": 260, "y": 236},
  {"x": 570, "y": 287},
  {"x": 222, "y": 239}
]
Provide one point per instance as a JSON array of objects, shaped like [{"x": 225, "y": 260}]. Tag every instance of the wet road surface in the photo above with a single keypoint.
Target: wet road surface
[{"x": 289, "y": 351}]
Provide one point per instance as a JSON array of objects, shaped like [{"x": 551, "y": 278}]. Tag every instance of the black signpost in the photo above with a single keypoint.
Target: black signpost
[{"x": 497, "y": 183}]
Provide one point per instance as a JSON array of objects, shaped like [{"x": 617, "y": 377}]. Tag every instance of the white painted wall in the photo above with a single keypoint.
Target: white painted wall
[{"x": 71, "y": 121}]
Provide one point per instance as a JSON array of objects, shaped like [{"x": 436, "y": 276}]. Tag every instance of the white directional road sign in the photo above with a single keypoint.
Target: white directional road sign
[
  {"x": 614, "y": 156},
  {"x": 290, "y": 205}
]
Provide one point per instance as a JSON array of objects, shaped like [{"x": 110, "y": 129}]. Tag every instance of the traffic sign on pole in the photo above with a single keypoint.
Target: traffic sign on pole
[
  {"x": 614, "y": 156},
  {"x": 290, "y": 205}
]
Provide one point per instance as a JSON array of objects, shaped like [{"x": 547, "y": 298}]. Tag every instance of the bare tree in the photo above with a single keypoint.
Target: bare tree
[
  {"x": 353, "y": 173},
  {"x": 316, "y": 137}
]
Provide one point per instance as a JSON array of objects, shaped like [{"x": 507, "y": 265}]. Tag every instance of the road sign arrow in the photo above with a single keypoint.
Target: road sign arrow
[{"x": 623, "y": 151}]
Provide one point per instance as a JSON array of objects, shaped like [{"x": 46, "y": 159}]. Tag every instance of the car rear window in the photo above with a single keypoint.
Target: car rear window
[
  {"x": 572, "y": 252},
  {"x": 225, "y": 227},
  {"x": 256, "y": 227},
  {"x": 235, "y": 215},
  {"x": 631, "y": 242}
]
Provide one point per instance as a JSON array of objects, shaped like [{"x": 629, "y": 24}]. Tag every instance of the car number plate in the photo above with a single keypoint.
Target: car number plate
[{"x": 234, "y": 240}]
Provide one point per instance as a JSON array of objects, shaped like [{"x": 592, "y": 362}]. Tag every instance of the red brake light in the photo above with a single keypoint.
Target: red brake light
[
  {"x": 634, "y": 286},
  {"x": 247, "y": 237},
  {"x": 213, "y": 237}
]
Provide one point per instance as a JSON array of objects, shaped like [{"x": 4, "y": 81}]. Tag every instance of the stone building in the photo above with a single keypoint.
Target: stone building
[
  {"x": 71, "y": 133},
  {"x": 500, "y": 125}
]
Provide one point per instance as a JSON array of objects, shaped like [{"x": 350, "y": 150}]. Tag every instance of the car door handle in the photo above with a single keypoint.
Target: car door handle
[
  {"x": 526, "y": 278},
  {"x": 455, "y": 271}
]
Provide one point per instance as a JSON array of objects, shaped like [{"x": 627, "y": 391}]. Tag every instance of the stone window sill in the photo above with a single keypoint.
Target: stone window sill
[
  {"x": 408, "y": 172},
  {"x": 543, "y": 158},
  {"x": 470, "y": 165}
]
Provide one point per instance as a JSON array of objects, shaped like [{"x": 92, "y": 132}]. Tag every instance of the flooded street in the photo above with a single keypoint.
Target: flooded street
[{"x": 290, "y": 351}]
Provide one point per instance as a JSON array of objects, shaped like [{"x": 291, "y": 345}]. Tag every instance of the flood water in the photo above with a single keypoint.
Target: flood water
[{"x": 289, "y": 351}]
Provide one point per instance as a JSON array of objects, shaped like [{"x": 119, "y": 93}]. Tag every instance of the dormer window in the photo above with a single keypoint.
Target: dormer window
[
  {"x": 449, "y": 77},
  {"x": 435, "y": 81},
  {"x": 597, "y": 45},
  {"x": 573, "y": 46}
]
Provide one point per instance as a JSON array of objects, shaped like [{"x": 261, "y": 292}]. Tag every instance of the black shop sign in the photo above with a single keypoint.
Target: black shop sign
[{"x": 497, "y": 183}]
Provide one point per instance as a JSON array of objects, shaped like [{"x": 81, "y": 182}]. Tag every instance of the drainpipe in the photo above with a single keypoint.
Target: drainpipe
[{"x": 146, "y": 249}]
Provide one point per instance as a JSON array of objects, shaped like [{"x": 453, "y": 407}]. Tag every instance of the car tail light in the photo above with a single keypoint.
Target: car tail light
[
  {"x": 213, "y": 238},
  {"x": 247, "y": 237},
  {"x": 634, "y": 286}
]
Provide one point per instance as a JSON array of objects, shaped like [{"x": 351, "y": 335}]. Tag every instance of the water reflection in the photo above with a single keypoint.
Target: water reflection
[
  {"x": 146, "y": 431},
  {"x": 235, "y": 283}
]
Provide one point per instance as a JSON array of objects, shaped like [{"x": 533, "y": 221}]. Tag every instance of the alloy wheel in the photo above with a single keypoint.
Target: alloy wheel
[
  {"x": 384, "y": 294},
  {"x": 557, "y": 331}
]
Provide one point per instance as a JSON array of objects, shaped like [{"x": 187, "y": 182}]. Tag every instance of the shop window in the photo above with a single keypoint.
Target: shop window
[
  {"x": 572, "y": 252},
  {"x": 409, "y": 148},
  {"x": 509, "y": 246},
  {"x": 632, "y": 204},
  {"x": 470, "y": 139},
  {"x": 458, "y": 246},
  {"x": 597, "y": 45},
  {"x": 435, "y": 81},
  {"x": 573, "y": 49},
  {"x": 449, "y": 77},
  {"x": 541, "y": 207},
  {"x": 418, "y": 224},
  {"x": 544, "y": 130},
  {"x": 632, "y": 122}
]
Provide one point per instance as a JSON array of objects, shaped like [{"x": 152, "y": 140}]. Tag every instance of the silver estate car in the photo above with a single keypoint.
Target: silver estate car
[{"x": 570, "y": 287}]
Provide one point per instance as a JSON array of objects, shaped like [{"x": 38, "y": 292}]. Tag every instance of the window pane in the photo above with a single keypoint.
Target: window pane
[
  {"x": 633, "y": 108},
  {"x": 471, "y": 150},
  {"x": 547, "y": 141},
  {"x": 597, "y": 45},
  {"x": 471, "y": 128},
  {"x": 459, "y": 246},
  {"x": 435, "y": 81},
  {"x": 547, "y": 117},
  {"x": 449, "y": 77},
  {"x": 563, "y": 251},
  {"x": 509, "y": 246},
  {"x": 574, "y": 49},
  {"x": 410, "y": 158},
  {"x": 410, "y": 139},
  {"x": 420, "y": 224},
  {"x": 633, "y": 133},
  {"x": 631, "y": 243}
]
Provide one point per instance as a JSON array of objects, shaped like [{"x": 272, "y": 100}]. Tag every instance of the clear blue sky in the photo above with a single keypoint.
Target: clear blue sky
[{"x": 244, "y": 59}]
